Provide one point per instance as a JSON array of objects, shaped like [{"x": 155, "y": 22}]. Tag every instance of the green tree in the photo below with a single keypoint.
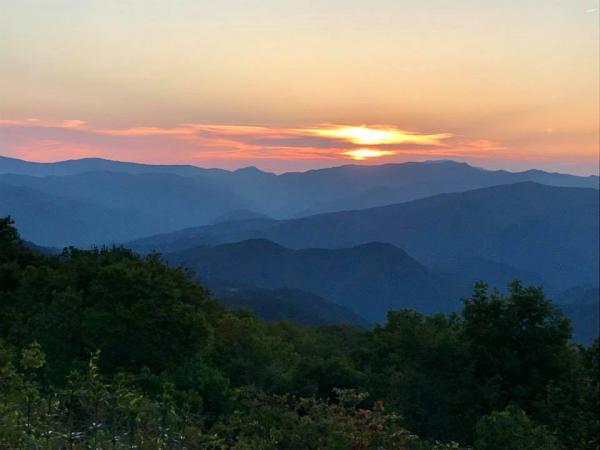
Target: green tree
[
  {"x": 517, "y": 345},
  {"x": 419, "y": 365},
  {"x": 571, "y": 404},
  {"x": 511, "y": 429}
]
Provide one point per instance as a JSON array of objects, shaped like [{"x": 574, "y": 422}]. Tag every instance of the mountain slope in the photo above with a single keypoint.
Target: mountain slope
[
  {"x": 84, "y": 165},
  {"x": 551, "y": 231},
  {"x": 170, "y": 201},
  {"x": 370, "y": 186},
  {"x": 369, "y": 279},
  {"x": 59, "y": 221},
  {"x": 297, "y": 194}
]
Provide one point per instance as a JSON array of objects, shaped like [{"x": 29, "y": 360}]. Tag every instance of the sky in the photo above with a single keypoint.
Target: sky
[{"x": 292, "y": 85}]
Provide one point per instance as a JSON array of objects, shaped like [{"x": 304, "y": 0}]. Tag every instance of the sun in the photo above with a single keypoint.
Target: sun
[
  {"x": 361, "y": 135},
  {"x": 360, "y": 154},
  {"x": 377, "y": 135},
  {"x": 364, "y": 135}
]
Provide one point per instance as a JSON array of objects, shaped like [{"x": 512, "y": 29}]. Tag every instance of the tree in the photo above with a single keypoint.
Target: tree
[
  {"x": 511, "y": 429},
  {"x": 137, "y": 311},
  {"x": 419, "y": 365},
  {"x": 517, "y": 345},
  {"x": 571, "y": 404},
  {"x": 14, "y": 255}
]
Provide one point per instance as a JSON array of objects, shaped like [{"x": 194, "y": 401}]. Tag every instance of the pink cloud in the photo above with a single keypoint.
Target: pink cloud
[
  {"x": 45, "y": 150},
  {"x": 232, "y": 146},
  {"x": 189, "y": 142}
]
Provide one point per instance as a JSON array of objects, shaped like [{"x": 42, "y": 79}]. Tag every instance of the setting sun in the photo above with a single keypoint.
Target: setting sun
[
  {"x": 361, "y": 154},
  {"x": 363, "y": 135}
]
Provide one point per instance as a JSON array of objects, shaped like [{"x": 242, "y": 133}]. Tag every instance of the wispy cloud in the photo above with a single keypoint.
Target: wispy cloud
[{"x": 230, "y": 145}]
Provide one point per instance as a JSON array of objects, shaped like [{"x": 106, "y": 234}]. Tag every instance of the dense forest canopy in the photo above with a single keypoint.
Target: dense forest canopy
[{"x": 106, "y": 349}]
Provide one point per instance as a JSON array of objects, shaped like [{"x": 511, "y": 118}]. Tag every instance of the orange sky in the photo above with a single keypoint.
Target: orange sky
[{"x": 292, "y": 85}]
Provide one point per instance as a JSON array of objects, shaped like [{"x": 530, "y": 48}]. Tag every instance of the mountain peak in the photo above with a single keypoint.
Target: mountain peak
[
  {"x": 445, "y": 161},
  {"x": 249, "y": 169}
]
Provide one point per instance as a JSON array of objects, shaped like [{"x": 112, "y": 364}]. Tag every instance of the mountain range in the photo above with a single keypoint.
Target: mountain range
[
  {"x": 357, "y": 285},
  {"x": 343, "y": 244},
  {"x": 546, "y": 230},
  {"x": 168, "y": 198}
]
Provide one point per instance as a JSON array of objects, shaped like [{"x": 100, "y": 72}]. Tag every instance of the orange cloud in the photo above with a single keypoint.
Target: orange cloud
[{"x": 231, "y": 146}]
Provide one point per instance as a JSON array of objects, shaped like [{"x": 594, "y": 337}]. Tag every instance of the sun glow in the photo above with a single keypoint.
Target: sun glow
[
  {"x": 360, "y": 154},
  {"x": 363, "y": 135}
]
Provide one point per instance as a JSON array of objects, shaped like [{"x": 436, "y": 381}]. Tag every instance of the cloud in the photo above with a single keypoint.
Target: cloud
[
  {"x": 230, "y": 145},
  {"x": 68, "y": 123}
]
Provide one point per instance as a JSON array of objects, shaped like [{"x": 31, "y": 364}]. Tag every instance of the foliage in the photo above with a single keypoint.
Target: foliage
[
  {"x": 511, "y": 429},
  {"x": 285, "y": 422},
  {"x": 517, "y": 344},
  {"x": 421, "y": 367},
  {"x": 571, "y": 402}
]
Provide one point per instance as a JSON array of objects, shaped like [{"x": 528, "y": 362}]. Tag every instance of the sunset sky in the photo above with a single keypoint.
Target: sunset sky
[{"x": 293, "y": 85}]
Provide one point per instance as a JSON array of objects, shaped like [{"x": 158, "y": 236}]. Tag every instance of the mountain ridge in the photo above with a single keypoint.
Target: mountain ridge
[
  {"x": 82, "y": 165},
  {"x": 368, "y": 279},
  {"x": 527, "y": 225}
]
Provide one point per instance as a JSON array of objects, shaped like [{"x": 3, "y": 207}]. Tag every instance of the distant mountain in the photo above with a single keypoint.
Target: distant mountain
[
  {"x": 369, "y": 279},
  {"x": 170, "y": 202},
  {"x": 55, "y": 221},
  {"x": 550, "y": 231},
  {"x": 357, "y": 187},
  {"x": 222, "y": 232},
  {"x": 285, "y": 304},
  {"x": 360, "y": 187},
  {"x": 176, "y": 197},
  {"x": 297, "y": 194},
  {"x": 350, "y": 187},
  {"x": 79, "y": 166}
]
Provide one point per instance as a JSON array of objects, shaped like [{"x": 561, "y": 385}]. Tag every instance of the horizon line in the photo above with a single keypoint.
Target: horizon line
[{"x": 428, "y": 161}]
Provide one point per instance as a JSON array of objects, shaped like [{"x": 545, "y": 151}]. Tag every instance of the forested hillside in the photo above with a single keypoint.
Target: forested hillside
[{"x": 107, "y": 349}]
